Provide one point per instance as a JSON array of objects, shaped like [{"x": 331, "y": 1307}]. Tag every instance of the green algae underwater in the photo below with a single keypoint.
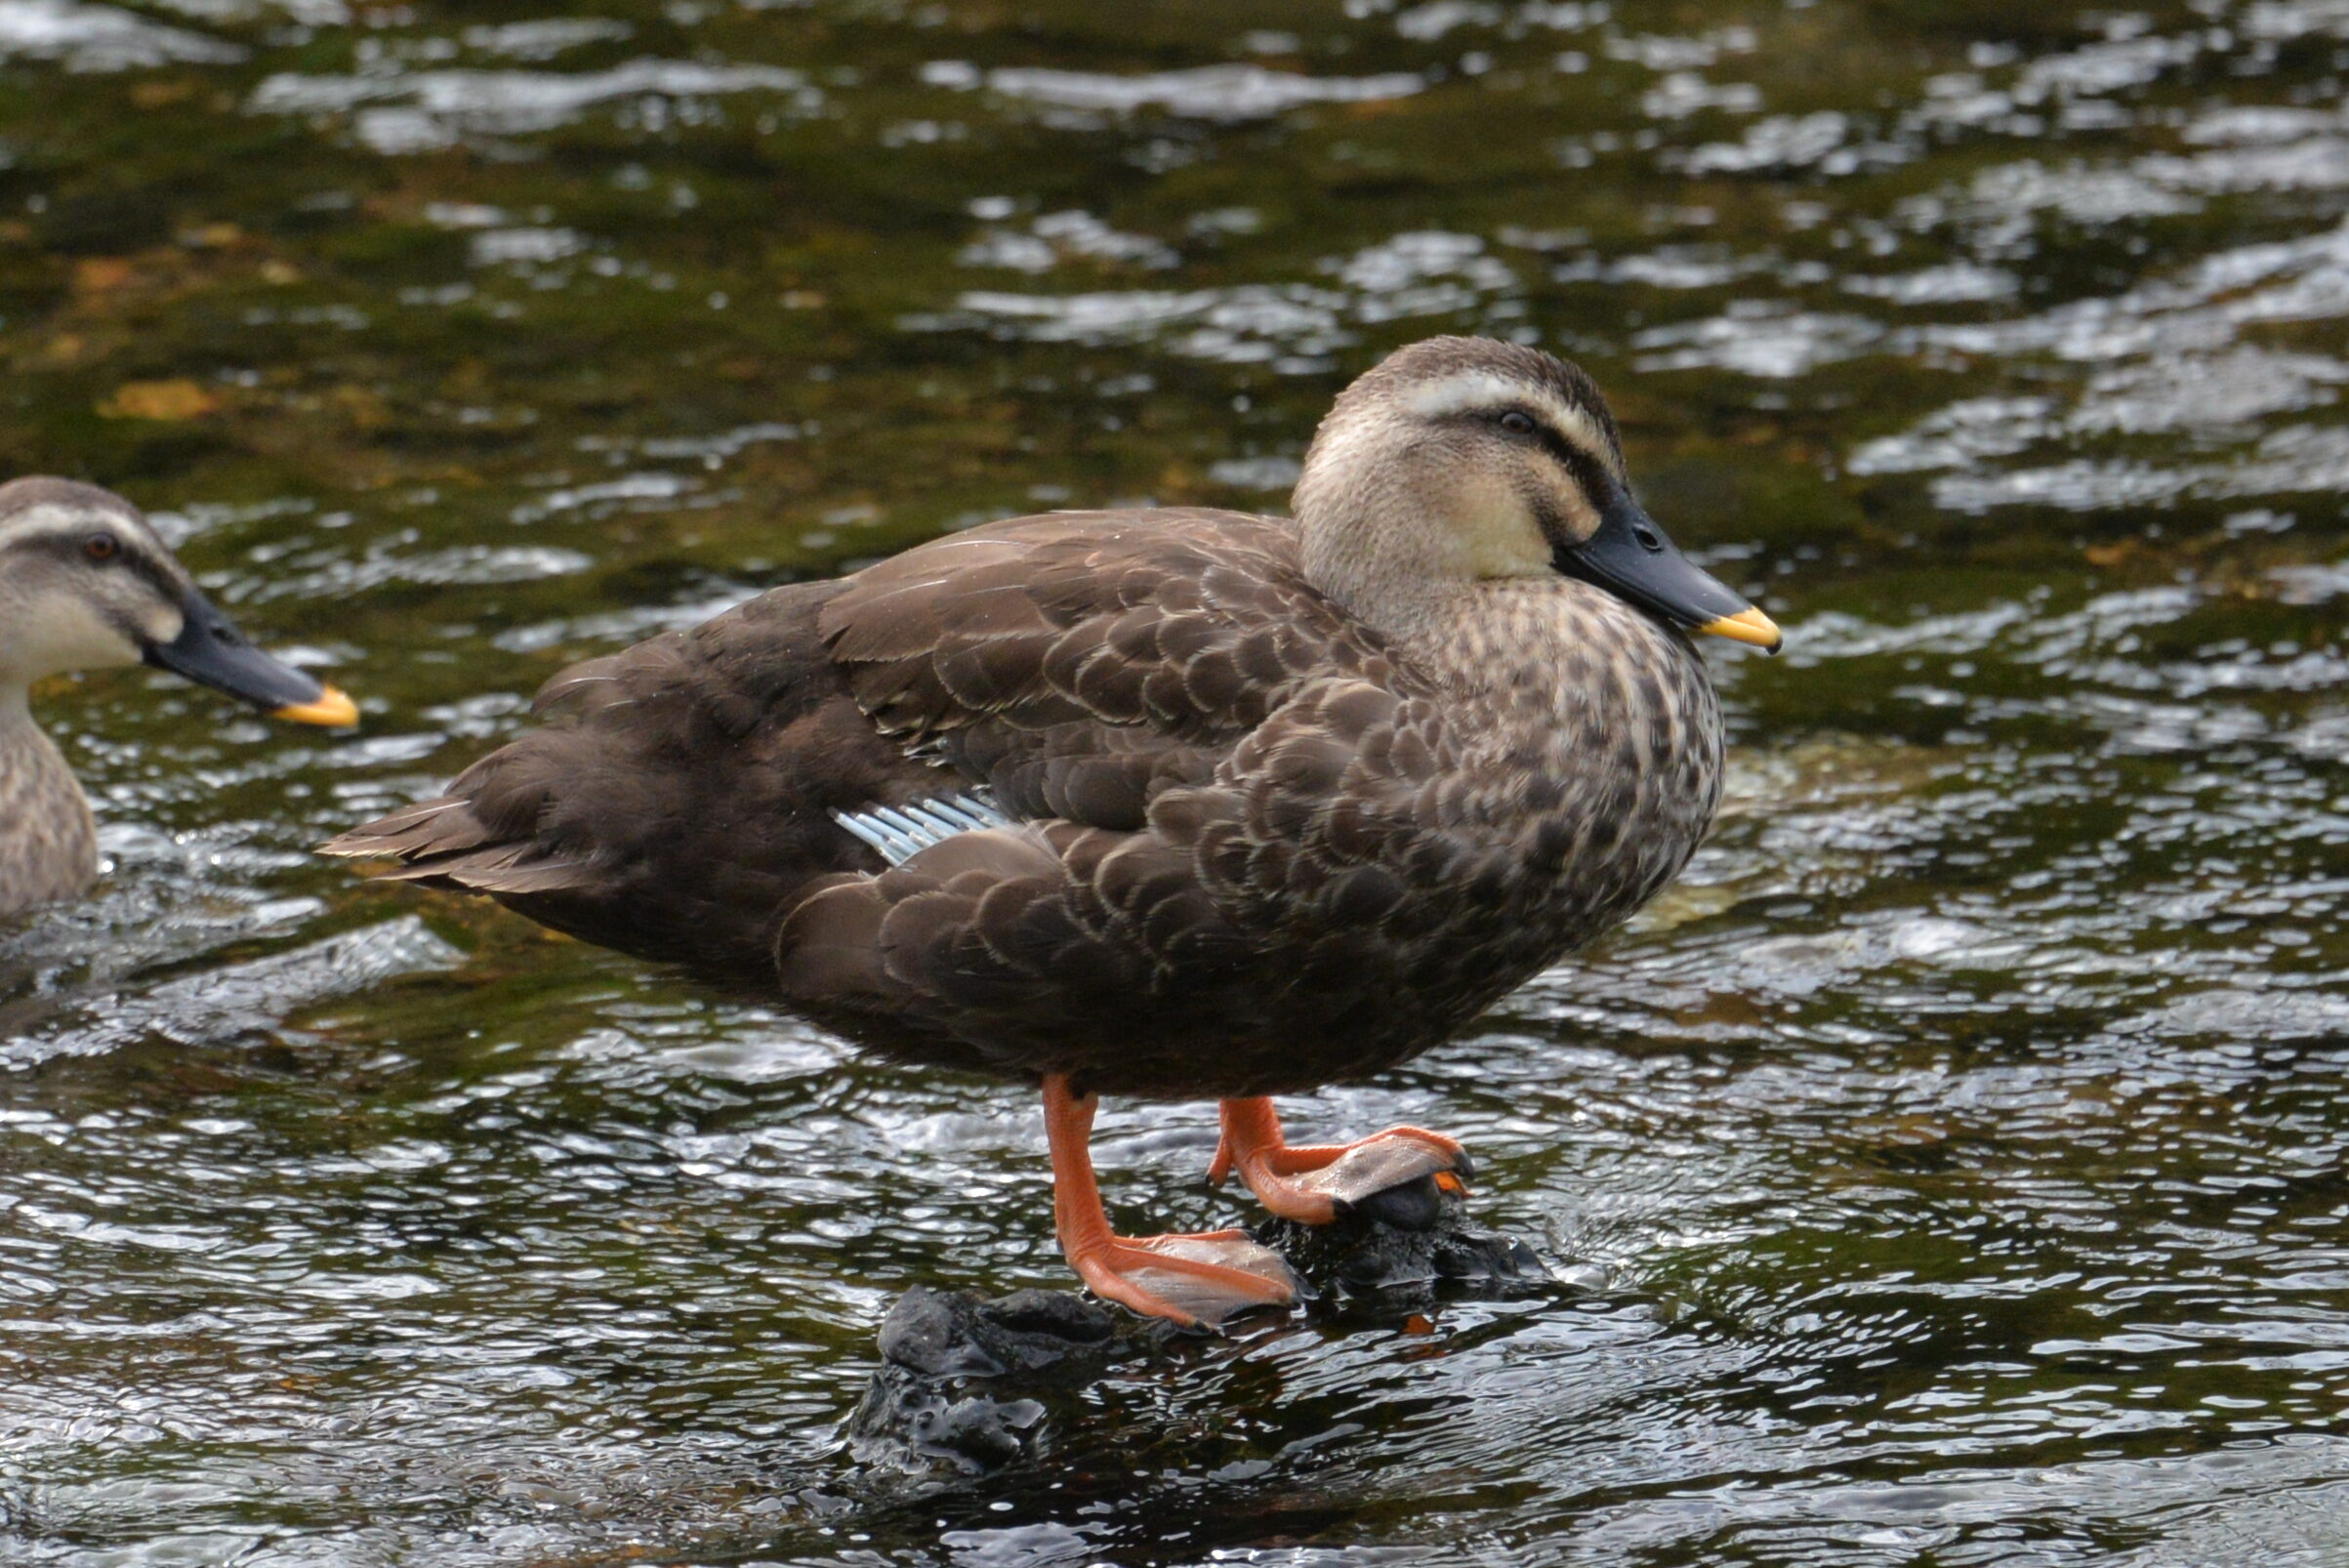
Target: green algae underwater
[{"x": 1949, "y": 1170}]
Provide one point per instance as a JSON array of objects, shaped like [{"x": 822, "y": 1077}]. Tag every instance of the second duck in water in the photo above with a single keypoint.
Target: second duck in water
[
  {"x": 1180, "y": 803},
  {"x": 85, "y": 584}
]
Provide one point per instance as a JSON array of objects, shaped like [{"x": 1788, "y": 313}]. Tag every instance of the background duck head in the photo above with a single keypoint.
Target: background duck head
[{"x": 86, "y": 584}]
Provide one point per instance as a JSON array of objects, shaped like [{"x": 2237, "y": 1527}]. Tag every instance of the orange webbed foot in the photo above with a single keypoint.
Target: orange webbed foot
[
  {"x": 1194, "y": 1280},
  {"x": 1317, "y": 1183}
]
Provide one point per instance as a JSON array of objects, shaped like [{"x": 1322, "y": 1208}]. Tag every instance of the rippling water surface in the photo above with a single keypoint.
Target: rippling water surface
[{"x": 1949, "y": 1170}]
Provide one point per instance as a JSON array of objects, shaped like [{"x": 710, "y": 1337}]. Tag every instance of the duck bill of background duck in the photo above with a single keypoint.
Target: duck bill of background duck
[
  {"x": 211, "y": 651},
  {"x": 1630, "y": 557}
]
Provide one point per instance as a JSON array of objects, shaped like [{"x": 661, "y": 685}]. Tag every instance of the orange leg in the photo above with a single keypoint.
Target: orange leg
[
  {"x": 1317, "y": 1183},
  {"x": 1194, "y": 1280}
]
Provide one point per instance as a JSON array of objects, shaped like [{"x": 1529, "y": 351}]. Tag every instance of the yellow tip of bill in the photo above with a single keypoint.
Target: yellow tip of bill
[
  {"x": 1747, "y": 626},
  {"x": 331, "y": 708}
]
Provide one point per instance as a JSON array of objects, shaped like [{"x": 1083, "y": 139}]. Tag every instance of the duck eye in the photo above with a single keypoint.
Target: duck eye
[
  {"x": 1517, "y": 422},
  {"x": 101, "y": 547}
]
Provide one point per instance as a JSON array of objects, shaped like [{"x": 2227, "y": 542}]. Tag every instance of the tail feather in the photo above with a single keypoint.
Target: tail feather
[
  {"x": 442, "y": 826},
  {"x": 501, "y": 869},
  {"x": 443, "y": 843}
]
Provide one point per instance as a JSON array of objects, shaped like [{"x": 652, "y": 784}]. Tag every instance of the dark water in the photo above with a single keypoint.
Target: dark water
[{"x": 1950, "y": 1171}]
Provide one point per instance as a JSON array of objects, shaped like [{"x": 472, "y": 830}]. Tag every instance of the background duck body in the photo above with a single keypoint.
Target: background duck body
[
  {"x": 47, "y": 837},
  {"x": 1175, "y": 802}
]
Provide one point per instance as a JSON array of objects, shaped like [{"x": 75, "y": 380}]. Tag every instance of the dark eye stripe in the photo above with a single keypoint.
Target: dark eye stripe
[
  {"x": 127, "y": 558},
  {"x": 153, "y": 571},
  {"x": 1589, "y": 472},
  {"x": 1596, "y": 478}
]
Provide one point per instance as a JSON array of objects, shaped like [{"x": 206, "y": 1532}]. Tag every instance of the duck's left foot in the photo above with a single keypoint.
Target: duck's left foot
[
  {"x": 1195, "y": 1280},
  {"x": 1317, "y": 1183}
]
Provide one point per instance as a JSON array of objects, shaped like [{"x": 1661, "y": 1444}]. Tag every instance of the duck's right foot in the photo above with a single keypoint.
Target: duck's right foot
[
  {"x": 1316, "y": 1184},
  {"x": 1194, "y": 1280}
]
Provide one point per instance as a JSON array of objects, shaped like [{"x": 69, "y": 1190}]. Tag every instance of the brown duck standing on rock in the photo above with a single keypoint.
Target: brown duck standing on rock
[
  {"x": 1178, "y": 802},
  {"x": 85, "y": 584}
]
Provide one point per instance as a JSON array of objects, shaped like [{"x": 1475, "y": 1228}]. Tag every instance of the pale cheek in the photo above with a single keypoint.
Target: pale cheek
[
  {"x": 62, "y": 635},
  {"x": 1498, "y": 535}
]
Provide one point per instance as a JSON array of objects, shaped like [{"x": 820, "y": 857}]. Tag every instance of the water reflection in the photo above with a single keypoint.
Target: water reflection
[{"x": 1950, "y": 1167}]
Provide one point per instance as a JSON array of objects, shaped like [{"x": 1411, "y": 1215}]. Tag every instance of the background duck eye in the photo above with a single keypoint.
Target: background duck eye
[
  {"x": 101, "y": 547},
  {"x": 1517, "y": 423}
]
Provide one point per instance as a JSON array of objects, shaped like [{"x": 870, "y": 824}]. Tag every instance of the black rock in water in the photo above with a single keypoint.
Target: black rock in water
[
  {"x": 959, "y": 1335},
  {"x": 973, "y": 1384},
  {"x": 958, "y": 1374},
  {"x": 1400, "y": 1246}
]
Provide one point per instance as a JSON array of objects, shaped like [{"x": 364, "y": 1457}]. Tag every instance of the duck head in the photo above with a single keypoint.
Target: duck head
[
  {"x": 86, "y": 584},
  {"x": 1460, "y": 461}
]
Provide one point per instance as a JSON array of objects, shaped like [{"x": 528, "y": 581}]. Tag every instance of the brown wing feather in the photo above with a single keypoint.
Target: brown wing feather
[
  {"x": 677, "y": 802},
  {"x": 1191, "y": 621},
  {"x": 1082, "y": 662}
]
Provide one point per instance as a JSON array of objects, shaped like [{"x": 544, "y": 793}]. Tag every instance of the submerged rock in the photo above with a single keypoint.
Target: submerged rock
[
  {"x": 943, "y": 1336},
  {"x": 973, "y": 1384},
  {"x": 959, "y": 1375}
]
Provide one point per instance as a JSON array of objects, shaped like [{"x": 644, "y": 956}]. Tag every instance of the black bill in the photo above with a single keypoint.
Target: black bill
[
  {"x": 211, "y": 651},
  {"x": 1630, "y": 557}
]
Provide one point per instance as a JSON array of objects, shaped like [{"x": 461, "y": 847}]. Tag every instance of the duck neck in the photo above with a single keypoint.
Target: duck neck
[
  {"x": 48, "y": 839},
  {"x": 1365, "y": 544},
  {"x": 1555, "y": 657}
]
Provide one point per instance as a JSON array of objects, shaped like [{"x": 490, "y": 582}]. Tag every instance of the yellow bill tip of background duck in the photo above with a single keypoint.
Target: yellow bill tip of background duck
[
  {"x": 1747, "y": 626},
  {"x": 330, "y": 708}
]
